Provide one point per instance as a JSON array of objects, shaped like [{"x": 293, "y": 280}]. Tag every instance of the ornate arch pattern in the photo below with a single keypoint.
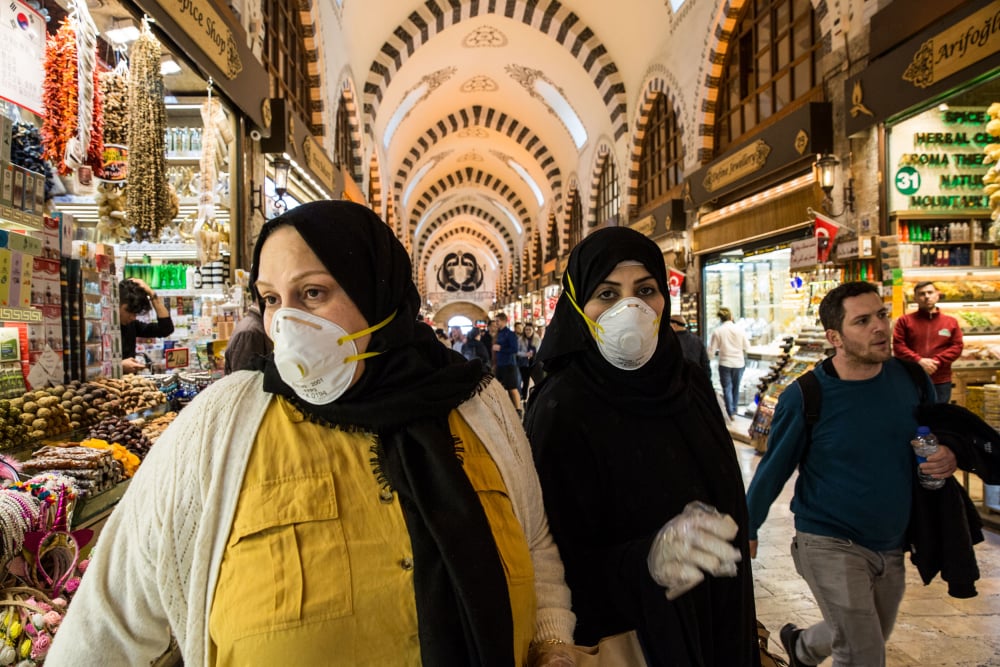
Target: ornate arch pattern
[
  {"x": 375, "y": 187},
  {"x": 470, "y": 176},
  {"x": 657, "y": 85},
  {"x": 448, "y": 236},
  {"x": 479, "y": 116},
  {"x": 473, "y": 211},
  {"x": 550, "y": 17},
  {"x": 349, "y": 100},
  {"x": 312, "y": 56},
  {"x": 603, "y": 155}
]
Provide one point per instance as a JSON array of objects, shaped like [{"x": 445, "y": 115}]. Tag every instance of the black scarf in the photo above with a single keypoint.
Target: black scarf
[
  {"x": 657, "y": 385},
  {"x": 405, "y": 396}
]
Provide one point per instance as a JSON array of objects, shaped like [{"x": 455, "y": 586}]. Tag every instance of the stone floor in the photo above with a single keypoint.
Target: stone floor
[{"x": 932, "y": 629}]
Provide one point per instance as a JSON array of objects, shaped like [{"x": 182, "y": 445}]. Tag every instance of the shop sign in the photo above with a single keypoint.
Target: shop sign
[
  {"x": 937, "y": 160},
  {"x": 644, "y": 226},
  {"x": 318, "y": 162},
  {"x": 209, "y": 30},
  {"x": 954, "y": 49},
  {"x": 803, "y": 254},
  {"x": 22, "y": 55},
  {"x": 741, "y": 164},
  {"x": 926, "y": 66}
]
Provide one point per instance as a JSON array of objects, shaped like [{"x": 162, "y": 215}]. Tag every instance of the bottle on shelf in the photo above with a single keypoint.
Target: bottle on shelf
[{"x": 924, "y": 444}]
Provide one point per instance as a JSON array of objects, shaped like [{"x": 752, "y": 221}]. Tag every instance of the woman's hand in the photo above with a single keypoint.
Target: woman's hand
[{"x": 550, "y": 655}]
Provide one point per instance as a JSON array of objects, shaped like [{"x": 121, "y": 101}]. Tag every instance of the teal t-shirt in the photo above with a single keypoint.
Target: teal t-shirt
[{"x": 856, "y": 480}]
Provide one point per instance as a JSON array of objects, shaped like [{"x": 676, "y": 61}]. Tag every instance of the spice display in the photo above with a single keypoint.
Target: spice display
[
  {"x": 62, "y": 129},
  {"x": 111, "y": 216},
  {"x": 113, "y": 84},
  {"x": 148, "y": 197},
  {"x": 125, "y": 433}
]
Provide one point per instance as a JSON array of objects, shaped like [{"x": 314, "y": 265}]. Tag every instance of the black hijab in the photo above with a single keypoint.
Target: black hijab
[
  {"x": 405, "y": 396},
  {"x": 658, "y": 384}
]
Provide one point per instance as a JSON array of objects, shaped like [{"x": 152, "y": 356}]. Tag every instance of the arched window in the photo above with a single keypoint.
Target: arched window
[
  {"x": 553, "y": 244},
  {"x": 662, "y": 153},
  {"x": 575, "y": 220},
  {"x": 773, "y": 60},
  {"x": 608, "y": 196},
  {"x": 344, "y": 154},
  {"x": 285, "y": 55}
]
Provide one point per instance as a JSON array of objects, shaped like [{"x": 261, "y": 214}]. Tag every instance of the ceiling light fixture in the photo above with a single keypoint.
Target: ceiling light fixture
[
  {"x": 122, "y": 31},
  {"x": 169, "y": 66}
]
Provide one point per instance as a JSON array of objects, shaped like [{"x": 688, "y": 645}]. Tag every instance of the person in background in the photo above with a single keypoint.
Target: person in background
[
  {"x": 930, "y": 338},
  {"x": 691, "y": 346},
  {"x": 487, "y": 338},
  {"x": 730, "y": 342},
  {"x": 854, "y": 491},
  {"x": 527, "y": 346},
  {"x": 639, "y": 473},
  {"x": 442, "y": 337},
  {"x": 474, "y": 348},
  {"x": 367, "y": 498},
  {"x": 505, "y": 360},
  {"x": 457, "y": 338},
  {"x": 136, "y": 298},
  {"x": 248, "y": 345}
]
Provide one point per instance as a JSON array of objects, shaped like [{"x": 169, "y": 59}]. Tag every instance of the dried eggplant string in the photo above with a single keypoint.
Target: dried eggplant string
[{"x": 147, "y": 191}]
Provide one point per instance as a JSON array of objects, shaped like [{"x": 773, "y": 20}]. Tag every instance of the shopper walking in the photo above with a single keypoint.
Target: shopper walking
[
  {"x": 505, "y": 360},
  {"x": 639, "y": 473},
  {"x": 730, "y": 342},
  {"x": 474, "y": 348},
  {"x": 691, "y": 346},
  {"x": 248, "y": 345},
  {"x": 368, "y": 498},
  {"x": 527, "y": 347},
  {"x": 854, "y": 491},
  {"x": 930, "y": 338}
]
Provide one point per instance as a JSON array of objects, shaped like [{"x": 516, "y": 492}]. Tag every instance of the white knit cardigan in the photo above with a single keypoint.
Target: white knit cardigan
[{"x": 156, "y": 562}]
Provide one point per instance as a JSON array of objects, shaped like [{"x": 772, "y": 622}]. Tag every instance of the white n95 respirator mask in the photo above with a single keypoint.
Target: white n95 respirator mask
[
  {"x": 314, "y": 356},
  {"x": 627, "y": 333}
]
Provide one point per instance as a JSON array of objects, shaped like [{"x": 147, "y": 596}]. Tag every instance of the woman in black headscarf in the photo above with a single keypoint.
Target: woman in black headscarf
[
  {"x": 366, "y": 498},
  {"x": 639, "y": 474}
]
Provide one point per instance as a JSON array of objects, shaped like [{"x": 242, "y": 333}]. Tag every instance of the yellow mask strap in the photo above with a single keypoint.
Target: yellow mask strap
[
  {"x": 595, "y": 328},
  {"x": 364, "y": 332}
]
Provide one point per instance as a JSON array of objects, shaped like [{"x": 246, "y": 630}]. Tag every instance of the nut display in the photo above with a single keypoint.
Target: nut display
[{"x": 123, "y": 432}]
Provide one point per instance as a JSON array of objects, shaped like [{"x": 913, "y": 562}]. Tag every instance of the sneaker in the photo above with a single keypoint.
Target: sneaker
[{"x": 789, "y": 634}]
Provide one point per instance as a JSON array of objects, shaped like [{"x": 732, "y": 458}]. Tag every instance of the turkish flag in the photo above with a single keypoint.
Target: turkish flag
[
  {"x": 825, "y": 231},
  {"x": 675, "y": 281}
]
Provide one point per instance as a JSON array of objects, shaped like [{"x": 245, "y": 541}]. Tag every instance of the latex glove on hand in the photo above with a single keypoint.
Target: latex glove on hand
[{"x": 694, "y": 542}]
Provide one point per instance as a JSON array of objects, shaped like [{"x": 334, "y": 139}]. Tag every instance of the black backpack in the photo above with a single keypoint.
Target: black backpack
[{"x": 812, "y": 394}]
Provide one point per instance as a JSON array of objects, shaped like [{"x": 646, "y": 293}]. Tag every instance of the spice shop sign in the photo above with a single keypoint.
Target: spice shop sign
[
  {"x": 955, "y": 48},
  {"x": 937, "y": 160},
  {"x": 209, "y": 30}
]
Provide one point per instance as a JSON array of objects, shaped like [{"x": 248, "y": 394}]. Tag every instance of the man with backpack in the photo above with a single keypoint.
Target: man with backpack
[{"x": 854, "y": 491}]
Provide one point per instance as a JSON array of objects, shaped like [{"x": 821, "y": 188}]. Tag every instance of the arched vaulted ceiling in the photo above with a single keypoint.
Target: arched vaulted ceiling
[{"x": 458, "y": 103}]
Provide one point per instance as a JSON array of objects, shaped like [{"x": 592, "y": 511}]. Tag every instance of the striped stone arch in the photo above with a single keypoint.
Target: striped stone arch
[
  {"x": 727, "y": 16},
  {"x": 474, "y": 177},
  {"x": 565, "y": 232},
  {"x": 350, "y": 101},
  {"x": 479, "y": 116},
  {"x": 463, "y": 230},
  {"x": 375, "y": 187},
  {"x": 604, "y": 154},
  {"x": 550, "y": 17},
  {"x": 314, "y": 64},
  {"x": 660, "y": 84},
  {"x": 468, "y": 210}
]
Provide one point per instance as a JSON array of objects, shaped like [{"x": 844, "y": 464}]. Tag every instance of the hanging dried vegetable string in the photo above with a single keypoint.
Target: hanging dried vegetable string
[
  {"x": 147, "y": 191},
  {"x": 114, "y": 88},
  {"x": 86, "y": 146},
  {"x": 59, "y": 92}
]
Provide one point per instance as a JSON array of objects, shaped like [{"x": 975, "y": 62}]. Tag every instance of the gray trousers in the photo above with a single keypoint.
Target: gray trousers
[{"x": 858, "y": 591}]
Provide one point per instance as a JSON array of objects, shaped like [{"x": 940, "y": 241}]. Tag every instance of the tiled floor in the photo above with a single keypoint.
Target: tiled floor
[{"x": 932, "y": 629}]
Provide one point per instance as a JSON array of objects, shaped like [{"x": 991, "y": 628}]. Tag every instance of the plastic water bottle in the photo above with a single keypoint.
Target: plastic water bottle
[{"x": 925, "y": 444}]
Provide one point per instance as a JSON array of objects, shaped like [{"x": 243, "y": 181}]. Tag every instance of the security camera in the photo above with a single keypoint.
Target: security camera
[{"x": 255, "y": 135}]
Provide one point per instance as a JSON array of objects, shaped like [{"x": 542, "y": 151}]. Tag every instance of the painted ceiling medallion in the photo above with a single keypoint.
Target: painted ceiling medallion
[
  {"x": 484, "y": 37},
  {"x": 480, "y": 84},
  {"x": 473, "y": 133},
  {"x": 471, "y": 156}
]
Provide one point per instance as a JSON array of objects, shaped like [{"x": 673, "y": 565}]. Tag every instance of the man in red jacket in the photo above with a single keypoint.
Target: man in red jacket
[{"x": 930, "y": 338}]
